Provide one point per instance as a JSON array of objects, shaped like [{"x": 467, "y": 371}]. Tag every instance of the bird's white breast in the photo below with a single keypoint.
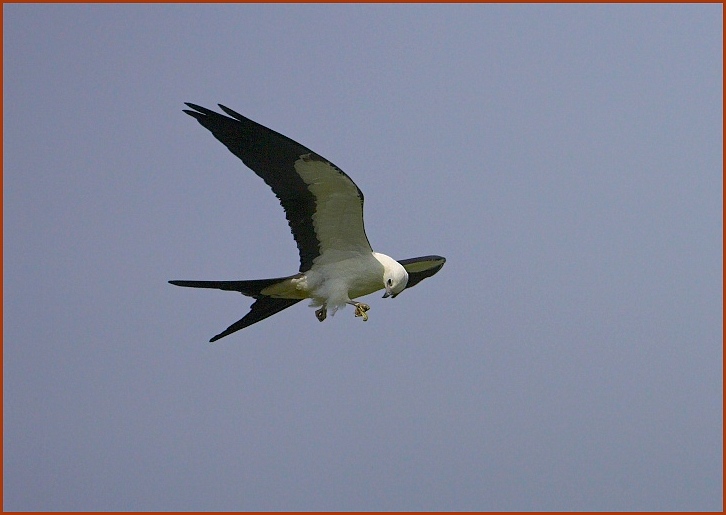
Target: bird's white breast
[{"x": 334, "y": 283}]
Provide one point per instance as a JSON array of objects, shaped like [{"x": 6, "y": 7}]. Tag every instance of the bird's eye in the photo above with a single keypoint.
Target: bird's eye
[{"x": 390, "y": 282}]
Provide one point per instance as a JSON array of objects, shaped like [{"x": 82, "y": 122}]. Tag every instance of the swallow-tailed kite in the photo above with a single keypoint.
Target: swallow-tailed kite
[{"x": 324, "y": 209}]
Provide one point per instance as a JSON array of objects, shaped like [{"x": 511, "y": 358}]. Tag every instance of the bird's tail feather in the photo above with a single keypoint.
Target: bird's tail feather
[
  {"x": 263, "y": 307},
  {"x": 250, "y": 288}
]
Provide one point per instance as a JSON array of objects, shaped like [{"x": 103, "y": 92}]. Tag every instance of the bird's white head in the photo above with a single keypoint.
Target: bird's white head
[{"x": 395, "y": 276}]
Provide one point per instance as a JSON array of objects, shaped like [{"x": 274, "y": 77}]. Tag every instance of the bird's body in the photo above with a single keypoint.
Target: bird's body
[
  {"x": 355, "y": 277},
  {"x": 324, "y": 209}
]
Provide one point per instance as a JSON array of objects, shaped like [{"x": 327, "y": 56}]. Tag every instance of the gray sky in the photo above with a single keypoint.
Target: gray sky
[{"x": 567, "y": 161}]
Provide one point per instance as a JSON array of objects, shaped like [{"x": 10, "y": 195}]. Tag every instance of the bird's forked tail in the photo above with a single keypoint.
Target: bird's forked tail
[{"x": 263, "y": 307}]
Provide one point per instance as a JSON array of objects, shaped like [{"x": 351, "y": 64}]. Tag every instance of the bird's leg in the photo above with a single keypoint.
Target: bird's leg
[
  {"x": 360, "y": 309},
  {"x": 321, "y": 313}
]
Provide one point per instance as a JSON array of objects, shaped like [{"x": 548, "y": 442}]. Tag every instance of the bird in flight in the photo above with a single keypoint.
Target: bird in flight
[{"x": 324, "y": 209}]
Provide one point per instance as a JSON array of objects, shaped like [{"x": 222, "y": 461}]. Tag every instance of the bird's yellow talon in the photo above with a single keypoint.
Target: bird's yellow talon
[
  {"x": 360, "y": 311},
  {"x": 321, "y": 313}
]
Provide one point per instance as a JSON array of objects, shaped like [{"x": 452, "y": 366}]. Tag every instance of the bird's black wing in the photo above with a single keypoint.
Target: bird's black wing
[
  {"x": 421, "y": 267},
  {"x": 323, "y": 206}
]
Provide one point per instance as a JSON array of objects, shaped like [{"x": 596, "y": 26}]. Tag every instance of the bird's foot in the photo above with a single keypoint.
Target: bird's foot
[
  {"x": 321, "y": 313},
  {"x": 360, "y": 310}
]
